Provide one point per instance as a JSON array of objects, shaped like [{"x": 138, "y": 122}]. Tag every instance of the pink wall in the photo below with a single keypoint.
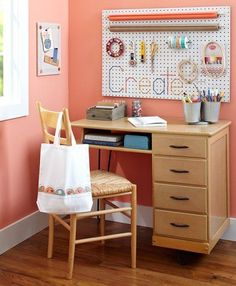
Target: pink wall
[
  {"x": 85, "y": 81},
  {"x": 20, "y": 138}
]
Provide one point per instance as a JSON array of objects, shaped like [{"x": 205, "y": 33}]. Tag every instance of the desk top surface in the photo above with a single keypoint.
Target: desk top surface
[{"x": 174, "y": 126}]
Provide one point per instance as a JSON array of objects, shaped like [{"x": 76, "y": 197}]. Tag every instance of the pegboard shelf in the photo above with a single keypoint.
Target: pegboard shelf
[{"x": 164, "y": 28}]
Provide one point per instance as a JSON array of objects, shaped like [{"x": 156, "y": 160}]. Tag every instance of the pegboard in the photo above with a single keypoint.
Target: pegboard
[{"x": 122, "y": 80}]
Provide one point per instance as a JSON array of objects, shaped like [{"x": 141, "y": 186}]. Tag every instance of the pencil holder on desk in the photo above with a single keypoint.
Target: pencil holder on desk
[
  {"x": 211, "y": 111},
  {"x": 192, "y": 112},
  {"x": 136, "y": 108}
]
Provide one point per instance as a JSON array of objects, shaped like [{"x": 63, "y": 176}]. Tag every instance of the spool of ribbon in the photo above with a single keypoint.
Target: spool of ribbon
[{"x": 178, "y": 42}]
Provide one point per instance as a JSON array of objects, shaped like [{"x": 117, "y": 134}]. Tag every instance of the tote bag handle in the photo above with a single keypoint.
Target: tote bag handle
[{"x": 57, "y": 137}]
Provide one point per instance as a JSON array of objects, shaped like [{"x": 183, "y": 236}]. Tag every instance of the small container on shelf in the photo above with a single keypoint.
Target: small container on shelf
[
  {"x": 192, "y": 112},
  {"x": 136, "y": 108},
  {"x": 211, "y": 111},
  {"x": 107, "y": 112}
]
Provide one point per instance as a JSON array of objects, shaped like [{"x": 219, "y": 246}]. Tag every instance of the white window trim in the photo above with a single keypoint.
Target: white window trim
[{"x": 14, "y": 103}]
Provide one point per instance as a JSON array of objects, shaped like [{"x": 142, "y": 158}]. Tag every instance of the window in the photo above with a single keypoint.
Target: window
[{"x": 14, "y": 70}]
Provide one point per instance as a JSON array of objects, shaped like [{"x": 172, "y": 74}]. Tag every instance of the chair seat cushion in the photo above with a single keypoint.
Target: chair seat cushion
[{"x": 107, "y": 183}]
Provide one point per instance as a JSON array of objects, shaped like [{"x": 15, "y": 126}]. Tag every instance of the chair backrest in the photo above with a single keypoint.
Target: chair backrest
[{"x": 49, "y": 121}]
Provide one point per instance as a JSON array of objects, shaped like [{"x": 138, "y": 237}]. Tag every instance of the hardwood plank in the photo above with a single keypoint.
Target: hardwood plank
[{"x": 109, "y": 264}]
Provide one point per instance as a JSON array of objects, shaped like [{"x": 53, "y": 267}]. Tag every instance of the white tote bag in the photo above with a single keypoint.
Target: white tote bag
[{"x": 64, "y": 177}]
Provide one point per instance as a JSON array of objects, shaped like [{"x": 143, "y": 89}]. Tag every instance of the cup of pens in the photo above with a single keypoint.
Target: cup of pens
[
  {"x": 211, "y": 106},
  {"x": 192, "y": 109},
  {"x": 211, "y": 111}
]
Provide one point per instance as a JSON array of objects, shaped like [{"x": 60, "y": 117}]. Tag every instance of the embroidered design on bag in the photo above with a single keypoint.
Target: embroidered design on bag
[
  {"x": 80, "y": 190},
  {"x": 41, "y": 189},
  {"x": 61, "y": 192},
  {"x": 50, "y": 190},
  {"x": 70, "y": 192}
]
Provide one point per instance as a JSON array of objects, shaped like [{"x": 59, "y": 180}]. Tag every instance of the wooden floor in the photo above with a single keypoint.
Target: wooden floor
[{"x": 95, "y": 264}]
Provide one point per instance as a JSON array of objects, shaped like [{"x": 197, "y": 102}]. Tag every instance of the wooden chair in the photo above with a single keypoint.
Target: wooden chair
[{"x": 105, "y": 186}]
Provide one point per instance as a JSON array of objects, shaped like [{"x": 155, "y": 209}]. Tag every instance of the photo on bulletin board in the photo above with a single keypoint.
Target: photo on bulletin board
[{"x": 49, "y": 49}]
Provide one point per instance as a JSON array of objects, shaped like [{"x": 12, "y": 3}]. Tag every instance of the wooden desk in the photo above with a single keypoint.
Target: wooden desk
[{"x": 190, "y": 170}]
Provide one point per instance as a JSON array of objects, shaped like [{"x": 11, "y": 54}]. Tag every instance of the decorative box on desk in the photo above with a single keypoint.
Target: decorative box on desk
[
  {"x": 137, "y": 141},
  {"x": 105, "y": 113}
]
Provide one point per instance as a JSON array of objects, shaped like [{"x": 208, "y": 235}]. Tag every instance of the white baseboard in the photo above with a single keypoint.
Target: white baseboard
[
  {"x": 230, "y": 234},
  {"x": 34, "y": 223},
  {"x": 22, "y": 229}
]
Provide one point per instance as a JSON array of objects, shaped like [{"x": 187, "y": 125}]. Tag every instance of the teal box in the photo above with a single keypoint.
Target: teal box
[{"x": 137, "y": 141}]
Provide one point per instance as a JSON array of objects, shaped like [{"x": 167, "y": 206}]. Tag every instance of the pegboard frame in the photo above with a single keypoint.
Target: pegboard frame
[{"x": 121, "y": 80}]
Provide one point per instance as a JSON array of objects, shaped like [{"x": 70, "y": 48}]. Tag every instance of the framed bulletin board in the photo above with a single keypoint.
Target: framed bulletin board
[{"x": 49, "y": 49}]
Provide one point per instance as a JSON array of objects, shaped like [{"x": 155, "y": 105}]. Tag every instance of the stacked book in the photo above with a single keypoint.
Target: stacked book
[{"x": 104, "y": 139}]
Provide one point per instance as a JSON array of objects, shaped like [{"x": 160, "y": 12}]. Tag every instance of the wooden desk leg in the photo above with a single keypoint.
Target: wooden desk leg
[
  {"x": 109, "y": 160},
  {"x": 99, "y": 159}
]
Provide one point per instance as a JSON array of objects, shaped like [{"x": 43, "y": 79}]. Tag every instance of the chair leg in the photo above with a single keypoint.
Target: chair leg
[
  {"x": 134, "y": 226},
  {"x": 73, "y": 223},
  {"x": 50, "y": 236},
  {"x": 102, "y": 219}
]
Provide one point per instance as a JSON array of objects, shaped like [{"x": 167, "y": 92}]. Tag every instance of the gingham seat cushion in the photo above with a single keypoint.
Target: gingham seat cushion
[{"x": 107, "y": 183}]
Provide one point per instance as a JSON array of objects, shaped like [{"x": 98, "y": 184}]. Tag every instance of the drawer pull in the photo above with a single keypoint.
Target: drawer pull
[
  {"x": 179, "y": 198},
  {"x": 179, "y": 146},
  {"x": 179, "y": 224},
  {"x": 179, "y": 171}
]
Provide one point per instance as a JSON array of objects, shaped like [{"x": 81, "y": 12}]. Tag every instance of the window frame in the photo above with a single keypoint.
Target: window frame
[{"x": 14, "y": 102}]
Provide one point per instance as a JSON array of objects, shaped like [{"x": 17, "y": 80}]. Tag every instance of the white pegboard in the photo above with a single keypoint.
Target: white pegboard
[{"x": 121, "y": 80}]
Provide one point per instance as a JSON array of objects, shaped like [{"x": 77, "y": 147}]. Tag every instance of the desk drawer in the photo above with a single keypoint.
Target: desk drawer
[
  {"x": 179, "y": 170},
  {"x": 181, "y": 225},
  {"x": 180, "y": 198},
  {"x": 171, "y": 145}
]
